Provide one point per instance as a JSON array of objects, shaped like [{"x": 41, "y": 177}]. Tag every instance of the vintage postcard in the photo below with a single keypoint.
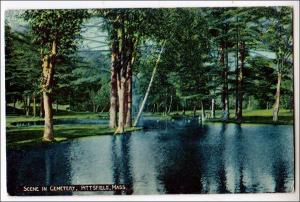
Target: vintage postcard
[{"x": 150, "y": 100}]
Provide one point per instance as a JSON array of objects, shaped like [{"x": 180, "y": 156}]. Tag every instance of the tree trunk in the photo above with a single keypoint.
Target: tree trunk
[
  {"x": 24, "y": 105},
  {"x": 129, "y": 95},
  {"x": 240, "y": 84},
  {"x": 103, "y": 109},
  {"x": 42, "y": 111},
  {"x": 236, "y": 72},
  {"x": 28, "y": 105},
  {"x": 34, "y": 106},
  {"x": 227, "y": 112},
  {"x": 213, "y": 113},
  {"x": 194, "y": 111},
  {"x": 166, "y": 109},
  {"x": 149, "y": 87},
  {"x": 70, "y": 102},
  {"x": 48, "y": 128},
  {"x": 170, "y": 105},
  {"x": 236, "y": 92},
  {"x": 277, "y": 98},
  {"x": 249, "y": 103},
  {"x": 47, "y": 85},
  {"x": 202, "y": 111},
  {"x": 224, "y": 63},
  {"x": 113, "y": 86},
  {"x": 121, "y": 95}
]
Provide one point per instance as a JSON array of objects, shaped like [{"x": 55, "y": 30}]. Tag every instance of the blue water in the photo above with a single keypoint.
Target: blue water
[{"x": 169, "y": 157}]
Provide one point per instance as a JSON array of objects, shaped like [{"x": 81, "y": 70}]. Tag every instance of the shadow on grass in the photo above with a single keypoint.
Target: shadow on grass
[{"x": 32, "y": 136}]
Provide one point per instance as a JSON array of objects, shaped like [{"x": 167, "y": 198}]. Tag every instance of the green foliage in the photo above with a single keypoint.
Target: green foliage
[
  {"x": 190, "y": 69},
  {"x": 22, "y": 63},
  {"x": 62, "y": 26}
]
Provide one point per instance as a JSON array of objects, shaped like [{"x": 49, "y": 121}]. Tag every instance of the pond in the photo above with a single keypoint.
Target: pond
[{"x": 169, "y": 157}]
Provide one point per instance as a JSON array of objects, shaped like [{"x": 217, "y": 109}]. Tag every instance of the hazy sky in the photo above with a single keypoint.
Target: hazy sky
[{"x": 94, "y": 38}]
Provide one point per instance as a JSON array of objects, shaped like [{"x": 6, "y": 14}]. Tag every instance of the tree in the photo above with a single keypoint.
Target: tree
[
  {"x": 55, "y": 31},
  {"x": 245, "y": 35},
  {"x": 127, "y": 28},
  {"x": 220, "y": 32},
  {"x": 279, "y": 38},
  {"x": 21, "y": 65},
  {"x": 149, "y": 86}
]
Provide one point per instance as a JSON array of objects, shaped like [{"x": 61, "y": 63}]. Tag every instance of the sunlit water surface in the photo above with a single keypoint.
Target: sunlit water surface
[{"x": 169, "y": 157}]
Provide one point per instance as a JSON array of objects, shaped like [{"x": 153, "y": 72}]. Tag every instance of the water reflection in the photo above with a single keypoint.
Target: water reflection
[
  {"x": 40, "y": 167},
  {"x": 121, "y": 163},
  {"x": 171, "y": 157}
]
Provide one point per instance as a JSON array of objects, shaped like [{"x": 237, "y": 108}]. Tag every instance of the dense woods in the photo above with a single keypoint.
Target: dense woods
[{"x": 167, "y": 61}]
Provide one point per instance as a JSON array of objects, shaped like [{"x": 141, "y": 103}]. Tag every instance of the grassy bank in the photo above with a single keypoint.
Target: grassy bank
[
  {"x": 32, "y": 136},
  {"x": 249, "y": 116},
  {"x": 65, "y": 115}
]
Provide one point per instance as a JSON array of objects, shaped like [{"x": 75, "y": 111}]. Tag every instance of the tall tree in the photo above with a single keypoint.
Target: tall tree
[
  {"x": 127, "y": 28},
  {"x": 55, "y": 32},
  {"x": 279, "y": 37},
  {"x": 245, "y": 36}
]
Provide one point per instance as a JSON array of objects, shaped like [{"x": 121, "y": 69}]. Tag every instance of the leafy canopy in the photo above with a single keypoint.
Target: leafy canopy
[{"x": 62, "y": 26}]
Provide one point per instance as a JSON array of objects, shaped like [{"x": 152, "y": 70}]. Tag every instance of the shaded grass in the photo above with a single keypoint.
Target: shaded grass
[
  {"x": 63, "y": 115},
  {"x": 32, "y": 136}
]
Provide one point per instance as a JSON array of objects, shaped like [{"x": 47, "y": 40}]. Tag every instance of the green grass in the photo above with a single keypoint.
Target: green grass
[
  {"x": 17, "y": 137},
  {"x": 249, "y": 116},
  {"x": 61, "y": 115}
]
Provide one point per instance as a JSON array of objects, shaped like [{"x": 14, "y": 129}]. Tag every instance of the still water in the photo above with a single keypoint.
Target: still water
[{"x": 169, "y": 157}]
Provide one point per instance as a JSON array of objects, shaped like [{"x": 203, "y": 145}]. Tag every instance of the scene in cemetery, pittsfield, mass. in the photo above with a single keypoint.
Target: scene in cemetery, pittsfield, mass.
[{"x": 149, "y": 100}]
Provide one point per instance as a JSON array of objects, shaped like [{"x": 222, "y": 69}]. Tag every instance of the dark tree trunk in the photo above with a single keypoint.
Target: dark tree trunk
[
  {"x": 224, "y": 64},
  {"x": 34, "y": 106},
  {"x": 237, "y": 71},
  {"x": 24, "y": 105},
  {"x": 227, "y": 112},
  {"x": 194, "y": 111}
]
